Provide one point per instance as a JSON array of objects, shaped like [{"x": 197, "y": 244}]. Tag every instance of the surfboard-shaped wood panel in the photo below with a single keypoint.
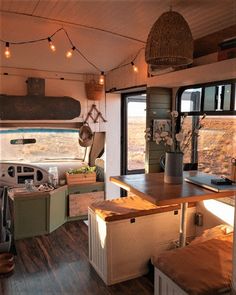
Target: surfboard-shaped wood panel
[{"x": 38, "y": 108}]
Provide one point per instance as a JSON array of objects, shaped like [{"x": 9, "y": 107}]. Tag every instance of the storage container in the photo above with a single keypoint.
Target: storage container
[
  {"x": 120, "y": 250},
  {"x": 80, "y": 178}
]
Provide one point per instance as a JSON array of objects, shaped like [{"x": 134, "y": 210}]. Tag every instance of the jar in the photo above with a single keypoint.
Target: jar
[
  {"x": 29, "y": 184},
  {"x": 53, "y": 176}
]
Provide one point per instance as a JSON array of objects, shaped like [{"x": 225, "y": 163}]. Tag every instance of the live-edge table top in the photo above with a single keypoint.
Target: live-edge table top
[{"x": 152, "y": 188}]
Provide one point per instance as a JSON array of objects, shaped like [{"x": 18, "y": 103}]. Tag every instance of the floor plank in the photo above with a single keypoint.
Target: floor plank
[{"x": 58, "y": 264}]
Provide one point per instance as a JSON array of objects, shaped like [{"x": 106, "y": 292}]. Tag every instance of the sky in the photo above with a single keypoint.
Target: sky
[{"x": 136, "y": 109}]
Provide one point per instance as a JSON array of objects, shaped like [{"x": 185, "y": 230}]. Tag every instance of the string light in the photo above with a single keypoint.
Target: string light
[
  {"x": 69, "y": 53},
  {"x": 101, "y": 78},
  {"x": 135, "y": 68},
  {"x": 51, "y": 45},
  {"x": 7, "y": 50}
]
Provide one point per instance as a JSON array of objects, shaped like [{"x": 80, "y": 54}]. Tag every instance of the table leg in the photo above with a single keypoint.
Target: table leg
[{"x": 183, "y": 221}]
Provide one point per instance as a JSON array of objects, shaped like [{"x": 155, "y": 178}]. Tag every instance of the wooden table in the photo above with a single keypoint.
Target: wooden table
[{"x": 152, "y": 188}]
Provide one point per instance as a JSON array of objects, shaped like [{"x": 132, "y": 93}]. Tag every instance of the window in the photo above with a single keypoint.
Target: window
[
  {"x": 215, "y": 145},
  {"x": 48, "y": 144},
  {"x": 190, "y": 100},
  {"x": 208, "y": 98},
  {"x": 217, "y": 98},
  {"x": 133, "y": 126}
]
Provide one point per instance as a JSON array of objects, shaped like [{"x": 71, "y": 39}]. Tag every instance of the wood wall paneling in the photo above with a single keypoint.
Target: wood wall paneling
[
  {"x": 159, "y": 102},
  {"x": 209, "y": 44}
]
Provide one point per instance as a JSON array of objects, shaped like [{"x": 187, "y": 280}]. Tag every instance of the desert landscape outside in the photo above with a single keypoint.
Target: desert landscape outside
[{"x": 216, "y": 144}]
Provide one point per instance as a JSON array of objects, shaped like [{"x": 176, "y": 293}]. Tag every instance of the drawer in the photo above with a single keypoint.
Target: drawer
[
  {"x": 85, "y": 188},
  {"x": 78, "y": 203}
]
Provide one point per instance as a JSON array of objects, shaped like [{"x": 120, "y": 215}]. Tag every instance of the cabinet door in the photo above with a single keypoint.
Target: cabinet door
[
  {"x": 79, "y": 203},
  {"x": 31, "y": 216},
  {"x": 85, "y": 188},
  {"x": 58, "y": 208}
]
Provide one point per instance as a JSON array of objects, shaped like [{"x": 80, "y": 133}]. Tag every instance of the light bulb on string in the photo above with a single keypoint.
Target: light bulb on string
[
  {"x": 135, "y": 68},
  {"x": 7, "y": 50},
  {"x": 69, "y": 53},
  {"x": 51, "y": 45},
  {"x": 102, "y": 78}
]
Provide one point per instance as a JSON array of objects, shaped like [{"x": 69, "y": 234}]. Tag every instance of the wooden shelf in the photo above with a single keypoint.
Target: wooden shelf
[{"x": 221, "y": 70}]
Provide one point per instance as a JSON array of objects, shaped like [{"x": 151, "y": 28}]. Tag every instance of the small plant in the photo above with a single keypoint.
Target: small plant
[{"x": 82, "y": 170}]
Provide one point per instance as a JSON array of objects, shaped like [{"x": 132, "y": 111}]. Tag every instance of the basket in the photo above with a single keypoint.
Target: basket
[{"x": 94, "y": 90}]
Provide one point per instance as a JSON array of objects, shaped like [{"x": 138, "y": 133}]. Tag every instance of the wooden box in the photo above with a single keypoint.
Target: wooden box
[
  {"x": 80, "y": 178},
  {"x": 79, "y": 203},
  {"x": 120, "y": 250}
]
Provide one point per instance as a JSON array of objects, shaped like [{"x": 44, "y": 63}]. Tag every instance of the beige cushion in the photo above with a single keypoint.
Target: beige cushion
[
  {"x": 201, "y": 268},
  {"x": 215, "y": 232}
]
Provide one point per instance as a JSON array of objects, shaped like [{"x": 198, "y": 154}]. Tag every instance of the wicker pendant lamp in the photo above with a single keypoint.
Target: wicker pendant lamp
[{"x": 170, "y": 42}]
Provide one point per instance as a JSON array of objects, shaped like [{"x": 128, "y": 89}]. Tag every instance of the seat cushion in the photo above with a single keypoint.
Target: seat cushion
[
  {"x": 218, "y": 231},
  {"x": 201, "y": 268}
]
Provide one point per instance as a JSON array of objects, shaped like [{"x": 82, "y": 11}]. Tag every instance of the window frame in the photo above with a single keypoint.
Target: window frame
[
  {"x": 125, "y": 99},
  {"x": 232, "y": 110}
]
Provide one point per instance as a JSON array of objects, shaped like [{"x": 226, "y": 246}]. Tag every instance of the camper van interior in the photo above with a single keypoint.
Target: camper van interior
[{"x": 117, "y": 147}]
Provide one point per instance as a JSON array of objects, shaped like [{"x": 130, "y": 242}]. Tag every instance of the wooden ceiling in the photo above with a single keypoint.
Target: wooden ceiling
[{"x": 89, "y": 24}]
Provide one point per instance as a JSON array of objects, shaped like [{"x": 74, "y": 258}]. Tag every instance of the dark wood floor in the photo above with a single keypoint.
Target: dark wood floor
[{"x": 58, "y": 264}]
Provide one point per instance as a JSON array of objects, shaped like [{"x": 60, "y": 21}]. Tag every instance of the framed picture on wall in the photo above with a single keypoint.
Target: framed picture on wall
[{"x": 160, "y": 125}]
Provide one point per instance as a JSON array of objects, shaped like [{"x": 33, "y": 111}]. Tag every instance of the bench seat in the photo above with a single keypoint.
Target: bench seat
[
  {"x": 123, "y": 233},
  {"x": 201, "y": 268}
]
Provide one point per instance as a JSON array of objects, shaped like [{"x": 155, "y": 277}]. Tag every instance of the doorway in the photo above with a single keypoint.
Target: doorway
[{"x": 133, "y": 125}]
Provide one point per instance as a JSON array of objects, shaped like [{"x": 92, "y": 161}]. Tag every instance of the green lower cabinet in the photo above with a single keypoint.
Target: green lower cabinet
[
  {"x": 39, "y": 214},
  {"x": 58, "y": 208},
  {"x": 31, "y": 216}
]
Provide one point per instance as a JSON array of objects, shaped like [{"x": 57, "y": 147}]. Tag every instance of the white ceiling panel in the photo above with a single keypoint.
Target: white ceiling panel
[
  {"x": 21, "y": 6},
  {"x": 32, "y": 19}
]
